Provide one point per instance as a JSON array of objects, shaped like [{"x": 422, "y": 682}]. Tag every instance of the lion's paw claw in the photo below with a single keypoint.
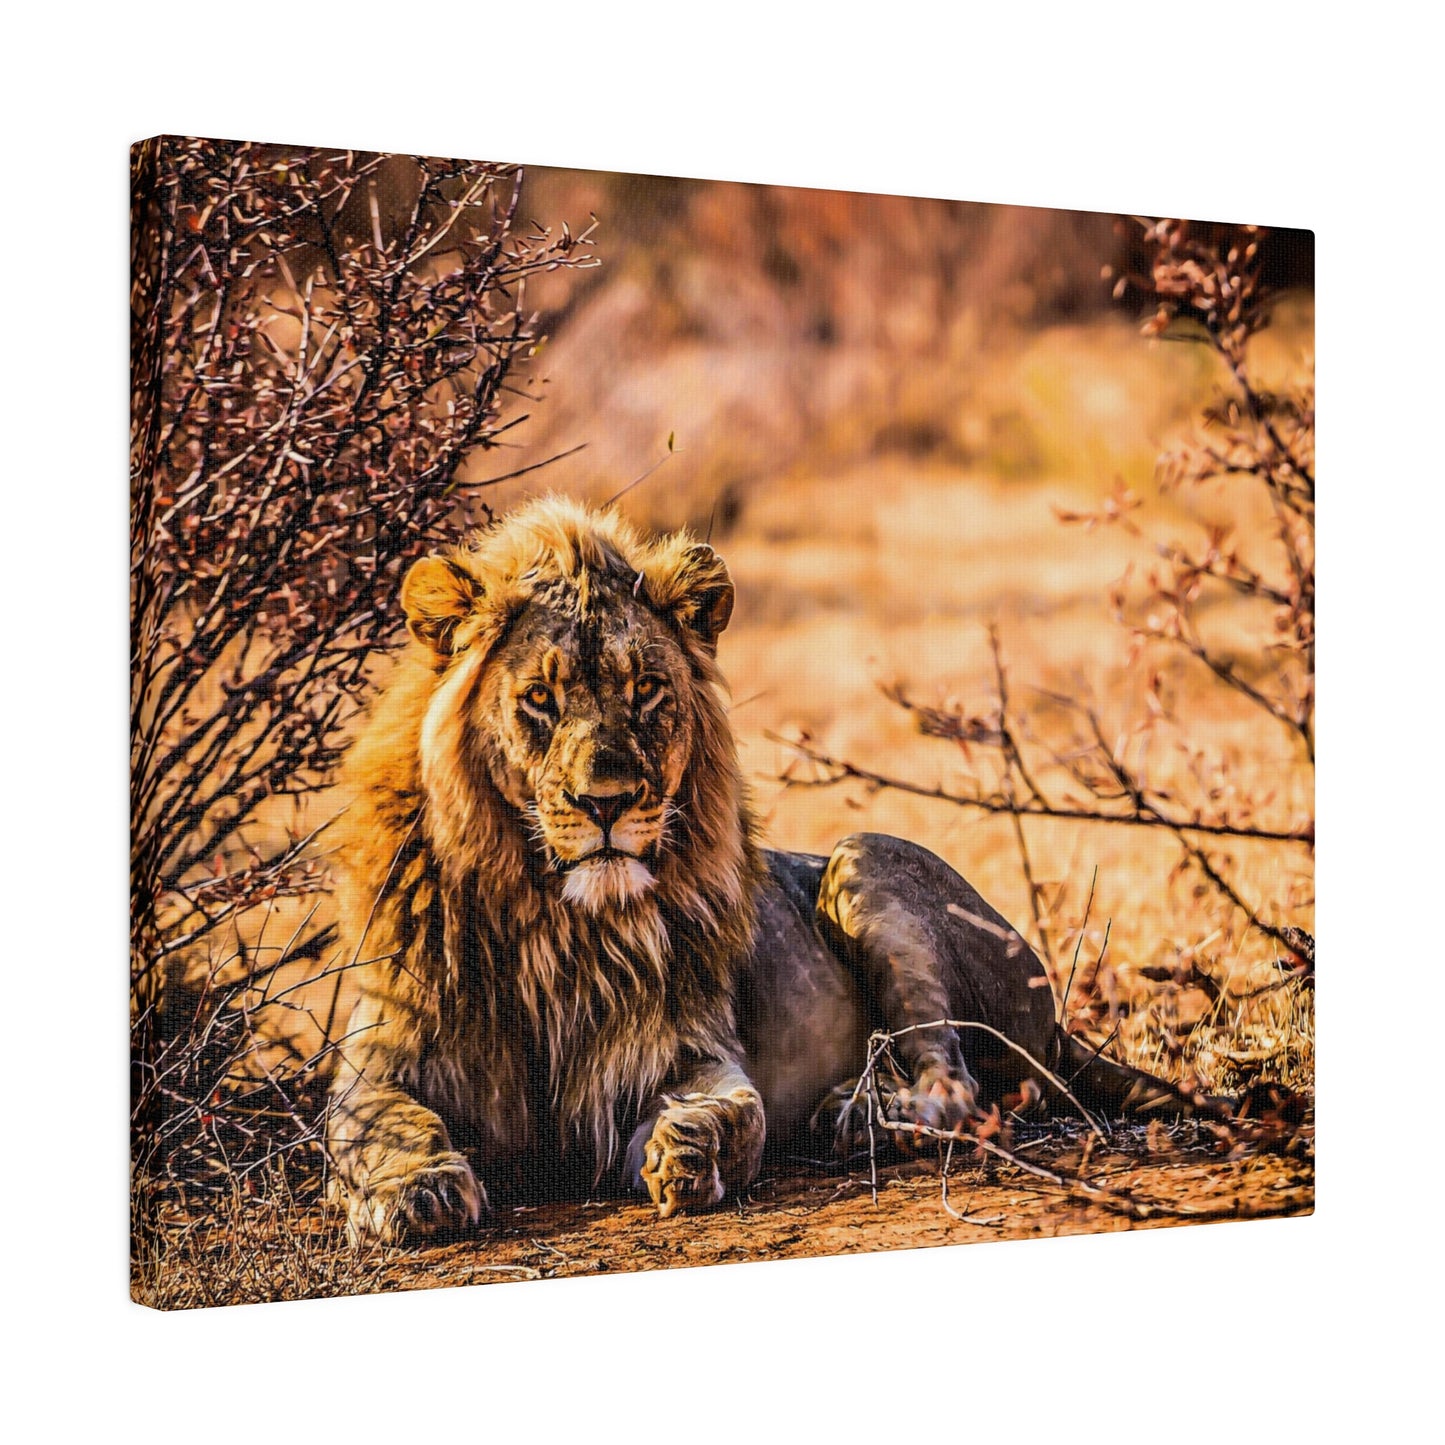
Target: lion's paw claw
[
  {"x": 937, "y": 1102},
  {"x": 700, "y": 1147},
  {"x": 434, "y": 1197}
]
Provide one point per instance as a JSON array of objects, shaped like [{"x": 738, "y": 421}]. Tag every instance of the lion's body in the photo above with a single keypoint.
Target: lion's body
[
  {"x": 566, "y": 932},
  {"x": 865, "y": 940}
]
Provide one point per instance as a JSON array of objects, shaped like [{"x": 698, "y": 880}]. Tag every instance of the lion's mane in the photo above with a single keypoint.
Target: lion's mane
[{"x": 493, "y": 996}]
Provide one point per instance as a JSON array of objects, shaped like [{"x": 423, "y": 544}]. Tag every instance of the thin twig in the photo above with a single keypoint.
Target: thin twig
[
  {"x": 1045, "y": 1072},
  {"x": 844, "y": 771},
  {"x": 1078, "y": 943}
]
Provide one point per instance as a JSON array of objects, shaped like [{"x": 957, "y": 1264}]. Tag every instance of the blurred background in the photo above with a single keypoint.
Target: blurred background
[{"x": 880, "y": 408}]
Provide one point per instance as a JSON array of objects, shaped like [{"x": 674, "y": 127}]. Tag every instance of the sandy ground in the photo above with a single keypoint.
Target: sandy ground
[
  {"x": 808, "y": 1215},
  {"x": 1154, "y": 1177}
]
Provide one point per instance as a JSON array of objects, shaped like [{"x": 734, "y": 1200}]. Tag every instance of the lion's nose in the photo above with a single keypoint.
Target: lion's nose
[{"x": 605, "y": 808}]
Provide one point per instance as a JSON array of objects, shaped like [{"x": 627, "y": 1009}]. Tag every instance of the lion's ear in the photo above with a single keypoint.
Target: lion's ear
[
  {"x": 694, "y": 585},
  {"x": 436, "y": 595}
]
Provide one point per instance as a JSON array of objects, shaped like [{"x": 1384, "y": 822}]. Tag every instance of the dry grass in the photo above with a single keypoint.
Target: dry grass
[{"x": 267, "y": 1241}]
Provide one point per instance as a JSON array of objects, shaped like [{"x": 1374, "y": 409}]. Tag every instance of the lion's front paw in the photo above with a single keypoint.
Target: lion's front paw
[
  {"x": 938, "y": 1100},
  {"x": 702, "y": 1146},
  {"x": 415, "y": 1199}
]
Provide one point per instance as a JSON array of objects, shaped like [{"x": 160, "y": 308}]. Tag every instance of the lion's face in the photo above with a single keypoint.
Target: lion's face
[
  {"x": 574, "y": 686},
  {"x": 591, "y": 722}
]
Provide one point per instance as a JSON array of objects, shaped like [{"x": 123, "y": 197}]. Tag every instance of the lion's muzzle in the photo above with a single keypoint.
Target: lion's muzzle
[{"x": 605, "y": 809}]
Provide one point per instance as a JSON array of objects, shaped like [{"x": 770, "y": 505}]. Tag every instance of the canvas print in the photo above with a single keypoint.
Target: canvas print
[{"x": 680, "y": 722}]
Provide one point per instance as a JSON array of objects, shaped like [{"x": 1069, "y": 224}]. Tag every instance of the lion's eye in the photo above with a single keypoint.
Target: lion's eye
[
  {"x": 647, "y": 690},
  {"x": 540, "y": 699}
]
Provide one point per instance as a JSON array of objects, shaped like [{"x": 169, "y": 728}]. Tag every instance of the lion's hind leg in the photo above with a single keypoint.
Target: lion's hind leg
[{"x": 927, "y": 948}]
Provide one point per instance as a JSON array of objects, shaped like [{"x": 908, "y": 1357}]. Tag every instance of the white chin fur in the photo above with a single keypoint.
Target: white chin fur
[{"x": 609, "y": 882}]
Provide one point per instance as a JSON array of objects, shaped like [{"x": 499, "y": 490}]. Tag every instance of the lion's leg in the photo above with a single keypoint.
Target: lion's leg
[
  {"x": 401, "y": 1175},
  {"x": 928, "y": 948},
  {"x": 702, "y": 1142}
]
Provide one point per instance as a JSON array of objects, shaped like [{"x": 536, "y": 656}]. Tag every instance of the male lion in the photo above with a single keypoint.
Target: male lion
[{"x": 568, "y": 934}]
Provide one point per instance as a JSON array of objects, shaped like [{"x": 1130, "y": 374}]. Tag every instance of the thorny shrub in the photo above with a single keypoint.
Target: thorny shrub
[
  {"x": 320, "y": 340},
  {"x": 1059, "y": 759}
]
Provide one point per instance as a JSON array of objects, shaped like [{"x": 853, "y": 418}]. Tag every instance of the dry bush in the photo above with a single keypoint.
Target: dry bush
[
  {"x": 1225, "y": 622},
  {"x": 320, "y": 340}
]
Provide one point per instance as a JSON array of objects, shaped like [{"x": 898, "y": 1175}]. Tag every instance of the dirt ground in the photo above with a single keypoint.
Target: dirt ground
[
  {"x": 1153, "y": 1176},
  {"x": 807, "y": 1215},
  {"x": 804, "y": 1214}
]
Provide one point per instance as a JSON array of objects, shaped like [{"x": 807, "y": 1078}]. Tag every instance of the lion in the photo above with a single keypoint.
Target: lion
[{"x": 574, "y": 954}]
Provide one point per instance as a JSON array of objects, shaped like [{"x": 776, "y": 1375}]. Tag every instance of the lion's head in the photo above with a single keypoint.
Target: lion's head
[{"x": 574, "y": 726}]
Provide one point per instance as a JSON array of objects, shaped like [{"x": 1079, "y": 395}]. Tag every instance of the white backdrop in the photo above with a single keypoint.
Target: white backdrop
[{"x": 1225, "y": 1331}]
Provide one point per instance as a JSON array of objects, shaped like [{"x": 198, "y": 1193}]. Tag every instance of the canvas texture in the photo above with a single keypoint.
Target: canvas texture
[{"x": 678, "y": 721}]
